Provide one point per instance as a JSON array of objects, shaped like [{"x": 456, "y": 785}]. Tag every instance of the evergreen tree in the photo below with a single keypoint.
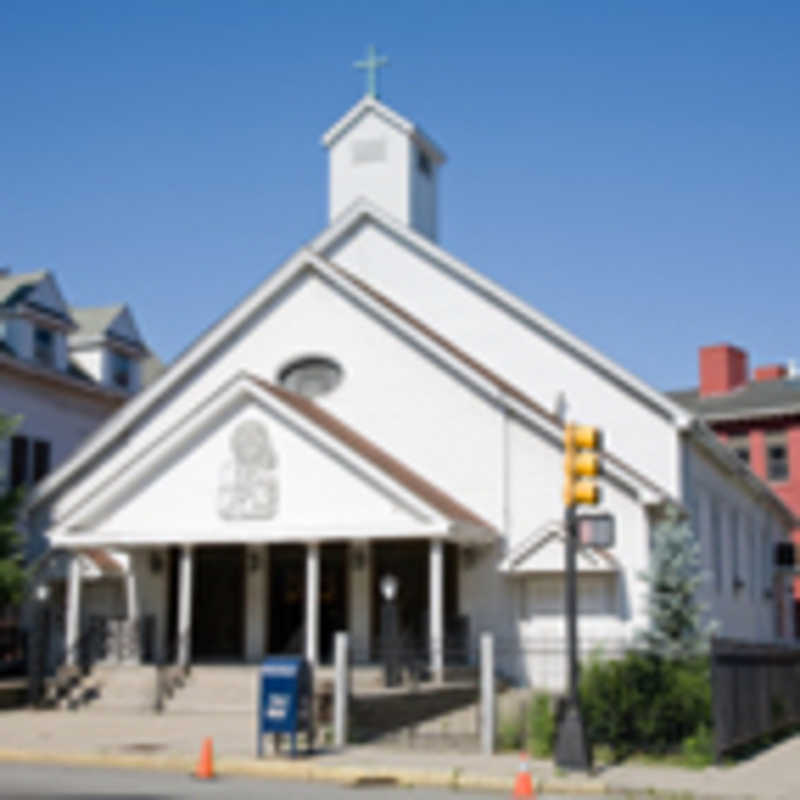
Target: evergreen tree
[
  {"x": 12, "y": 575},
  {"x": 677, "y": 629}
]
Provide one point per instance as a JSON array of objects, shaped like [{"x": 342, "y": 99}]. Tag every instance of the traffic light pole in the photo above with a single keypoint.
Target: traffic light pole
[{"x": 572, "y": 747}]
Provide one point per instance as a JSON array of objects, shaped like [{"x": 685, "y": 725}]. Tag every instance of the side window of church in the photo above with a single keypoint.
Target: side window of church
[
  {"x": 41, "y": 459},
  {"x": 19, "y": 461},
  {"x": 30, "y": 460},
  {"x": 716, "y": 543}
]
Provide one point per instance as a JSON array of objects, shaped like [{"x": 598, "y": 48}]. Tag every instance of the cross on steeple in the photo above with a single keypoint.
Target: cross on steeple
[{"x": 371, "y": 64}]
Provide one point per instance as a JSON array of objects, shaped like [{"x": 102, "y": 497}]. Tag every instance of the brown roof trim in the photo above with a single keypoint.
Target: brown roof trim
[
  {"x": 104, "y": 561},
  {"x": 64, "y": 381},
  {"x": 501, "y": 383},
  {"x": 368, "y": 450}
]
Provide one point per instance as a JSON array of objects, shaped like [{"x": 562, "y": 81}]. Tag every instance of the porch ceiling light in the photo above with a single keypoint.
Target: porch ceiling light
[{"x": 389, "y": 586}]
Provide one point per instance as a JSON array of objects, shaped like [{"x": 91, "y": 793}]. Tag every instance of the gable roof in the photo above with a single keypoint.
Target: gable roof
[
  {"x": 364, "y": 210},
  {"x": 543, "y": 551},
  {"x": 372, "y": 105},
  {"x": 14, "y": 288},
  {"x": 307, "y": 259},
  {"x": 755, "y": 399},
  {"x": 436, "y": 510},
  {"x": 97, "y": 320},
  {"x": 403, "y": 474},
  {"x": 508, "y": 389}
]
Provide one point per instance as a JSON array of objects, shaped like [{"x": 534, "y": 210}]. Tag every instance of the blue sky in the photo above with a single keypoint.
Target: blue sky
[{"x": 631, "y": 169}]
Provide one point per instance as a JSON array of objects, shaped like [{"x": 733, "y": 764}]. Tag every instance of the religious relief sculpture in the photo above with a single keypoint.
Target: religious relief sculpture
[{"x": 248, "y": 487}]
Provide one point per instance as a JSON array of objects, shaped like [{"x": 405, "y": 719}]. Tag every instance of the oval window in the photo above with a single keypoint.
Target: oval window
[{"x": 311, "y": 376}]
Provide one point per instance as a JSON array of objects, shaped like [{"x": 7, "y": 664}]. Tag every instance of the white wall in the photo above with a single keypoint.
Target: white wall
[
  {"x": 381, "y": 173},
  {"x": 390, "y": 393},
  {"x": 750, "y": 611},
  {"x": 93, "y": 361},
  {"x": 525, "y": 356}
]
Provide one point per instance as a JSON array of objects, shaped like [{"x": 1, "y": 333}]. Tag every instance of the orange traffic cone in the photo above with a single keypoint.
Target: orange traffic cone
[
  {"x": 523, "y": 785},
  {"x": 205, "y": 764}
]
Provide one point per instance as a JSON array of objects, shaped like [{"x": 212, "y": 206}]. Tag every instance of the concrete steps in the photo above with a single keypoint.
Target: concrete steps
[
  {"x": 116, "y": 688},
  {"x": 210, "y": 689}
]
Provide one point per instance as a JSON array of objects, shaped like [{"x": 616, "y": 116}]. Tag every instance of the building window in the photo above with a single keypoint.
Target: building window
[
  {"x": 19, "y": 461},
  {"x": 30, "y": 460},
  {"x": 777, "y": 459},
  {"x": 41, "y": 459},
  {"x": 311, "y": 377},
  {"x": 44, "y": 346},
  {"x": 424, "y": 163},
  {"x": 736, "y": 579},
  {"x": 716, "y": 544},
  {"x": 120, "y": 370},
  {"x": 741, "y": 447},
  {"x": 751, "y": 550}
]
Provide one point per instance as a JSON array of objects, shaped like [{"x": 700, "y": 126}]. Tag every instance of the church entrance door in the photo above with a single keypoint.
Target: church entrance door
[
  {"x": 333, "y": 612},
  {"x": 287, "y": 598},
  {"x": 218, "y": 603}
]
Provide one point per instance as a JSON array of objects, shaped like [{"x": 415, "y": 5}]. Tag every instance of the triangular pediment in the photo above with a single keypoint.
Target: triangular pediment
[
  {"x": 543, "y": 552},
  {"x": 248, "y": 467}
]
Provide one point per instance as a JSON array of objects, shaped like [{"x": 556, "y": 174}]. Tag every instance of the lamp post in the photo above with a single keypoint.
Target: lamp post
[
  {"x": 389, "y": 586},
  {"x": 38, "y": 644}
]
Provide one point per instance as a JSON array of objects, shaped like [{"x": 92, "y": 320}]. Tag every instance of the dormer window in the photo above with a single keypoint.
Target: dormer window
[
  {"x": 44, "y": 347},
  {"x": 120, "y": 370}
]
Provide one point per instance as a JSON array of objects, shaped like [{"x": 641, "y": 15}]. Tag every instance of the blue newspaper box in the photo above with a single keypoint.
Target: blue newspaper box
[{"x": 285, "y": 703}]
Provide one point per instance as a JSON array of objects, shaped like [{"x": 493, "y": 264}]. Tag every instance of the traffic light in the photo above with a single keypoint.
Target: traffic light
[{"x": 581, "y": 465}]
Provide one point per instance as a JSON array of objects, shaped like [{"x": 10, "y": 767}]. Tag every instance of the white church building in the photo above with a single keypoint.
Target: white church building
[{"x": 377, "y": 406}]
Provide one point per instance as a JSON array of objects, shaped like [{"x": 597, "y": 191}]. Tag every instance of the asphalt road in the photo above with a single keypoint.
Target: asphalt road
[{"x": 24, "y": 781}]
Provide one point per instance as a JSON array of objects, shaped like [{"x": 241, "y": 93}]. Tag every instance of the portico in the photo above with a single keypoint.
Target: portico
[{"x": 231, "y": 603}]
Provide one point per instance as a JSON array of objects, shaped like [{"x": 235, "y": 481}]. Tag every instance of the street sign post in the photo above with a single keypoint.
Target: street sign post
[{"x": 596, "y": 530}]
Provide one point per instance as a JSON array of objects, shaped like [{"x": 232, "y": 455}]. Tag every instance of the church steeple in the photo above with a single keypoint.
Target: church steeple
[{"x": 375, "y": 154}]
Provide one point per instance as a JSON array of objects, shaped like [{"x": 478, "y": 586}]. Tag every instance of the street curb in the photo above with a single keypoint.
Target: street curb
[{"x": 302, "y": 770}]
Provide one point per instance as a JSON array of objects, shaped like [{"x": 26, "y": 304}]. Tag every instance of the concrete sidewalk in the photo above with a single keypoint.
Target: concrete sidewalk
[{"x": 172, "y": 741}]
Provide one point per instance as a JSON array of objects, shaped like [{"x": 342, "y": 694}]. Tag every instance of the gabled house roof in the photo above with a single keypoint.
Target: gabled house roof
[
  {"x": 97, "y": 320},
  {"x": 18, "y": 293},
  {"x": 756, "y": 399},
  {"x": 15, "y": 288}
]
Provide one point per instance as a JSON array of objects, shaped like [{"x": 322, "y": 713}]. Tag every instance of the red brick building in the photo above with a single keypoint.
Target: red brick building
[{"x": 758, "y": 416}]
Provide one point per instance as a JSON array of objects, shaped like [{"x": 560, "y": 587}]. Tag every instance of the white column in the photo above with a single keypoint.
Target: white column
[
  {"x": 340, "y": 689},
  {"x": 359, "y": 623},
  {"x": 133, "y": 635},
  {"x": 131, "y": 597},
  {"x": 488, "y": 702},
  {"x": 312, "y": 602},
  {"x": 73, "y": 630},
  {"x": 254, "y": 602},
  {"x": 185, "y": 607},
  {"x": 436, "y": 608}
]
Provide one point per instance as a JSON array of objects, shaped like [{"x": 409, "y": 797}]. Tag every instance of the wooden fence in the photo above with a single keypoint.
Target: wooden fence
[{"x": 755, "y": 692}]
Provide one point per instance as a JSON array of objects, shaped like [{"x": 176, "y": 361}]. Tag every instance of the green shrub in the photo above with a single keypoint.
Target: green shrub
[
  {"x": 509, "y": 732},
  {"x": 541, "y": 726},
  {"x": 698, "y": 749},
  {"x": 644, "y": 703}
]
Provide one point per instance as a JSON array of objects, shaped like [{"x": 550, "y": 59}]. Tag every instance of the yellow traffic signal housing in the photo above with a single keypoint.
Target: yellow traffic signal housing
[{"x": 581, "y": 464}]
